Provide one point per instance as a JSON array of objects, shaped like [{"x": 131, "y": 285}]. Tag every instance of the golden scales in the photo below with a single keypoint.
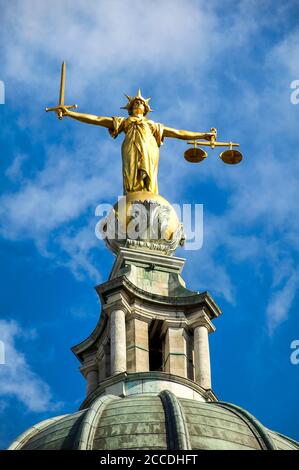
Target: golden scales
[{"x": 196, "y": 154}]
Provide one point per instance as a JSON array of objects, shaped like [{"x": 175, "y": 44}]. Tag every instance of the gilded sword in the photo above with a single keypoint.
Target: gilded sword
[{"x": 61, "y": 95}]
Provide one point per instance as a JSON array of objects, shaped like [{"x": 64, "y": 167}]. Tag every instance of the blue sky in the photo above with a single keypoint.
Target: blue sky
[{"x": 223, "y": 64}]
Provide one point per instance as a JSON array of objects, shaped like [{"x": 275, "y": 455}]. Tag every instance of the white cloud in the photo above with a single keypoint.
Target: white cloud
[
  {"x": 47, "y": 207},
  {"x": 128, "y": 37},
  {"x": 60, "y": 192},
  {"x": 17, "y": 379},
  {"x": 78, "y": 248},
  {"x": 287, "y": 52},
  {"x": 14, "y": 171},
  {"x": 259, "y": 227},
  {"x": 281, "y": 301}
]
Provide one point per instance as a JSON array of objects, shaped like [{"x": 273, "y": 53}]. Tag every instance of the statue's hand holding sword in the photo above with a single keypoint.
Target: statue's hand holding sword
[{"x": 61, "y": 108}]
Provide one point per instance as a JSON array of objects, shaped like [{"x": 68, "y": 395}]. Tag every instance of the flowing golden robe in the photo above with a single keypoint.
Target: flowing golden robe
[{"x": 140, "y": 152}]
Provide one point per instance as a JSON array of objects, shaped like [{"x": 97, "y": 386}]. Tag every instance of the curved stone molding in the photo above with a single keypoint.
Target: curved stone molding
[
  {"x": 149, "y": 383},
  {"x": 177, "y": 431},
  {"x": 264, "y": 438},
  {"x": 91, "y": 421}
]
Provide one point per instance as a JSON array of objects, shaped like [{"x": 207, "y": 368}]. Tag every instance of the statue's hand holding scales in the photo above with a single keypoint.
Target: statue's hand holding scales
[{"x": 143, "y": 137}]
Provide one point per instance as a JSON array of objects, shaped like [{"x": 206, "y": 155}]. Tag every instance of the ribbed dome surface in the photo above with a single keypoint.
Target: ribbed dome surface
[{"x": 154, "y": 422}]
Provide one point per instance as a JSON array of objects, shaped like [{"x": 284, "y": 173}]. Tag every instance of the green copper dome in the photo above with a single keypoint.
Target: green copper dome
[{"x": 154, "y": 422}]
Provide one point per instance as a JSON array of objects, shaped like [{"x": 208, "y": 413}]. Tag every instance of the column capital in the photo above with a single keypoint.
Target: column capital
[
  {"x": 172, "y": 323},
  {"x": 198, "y": 319},
  {"x": 116, "y": 302},
  {"x": 88, "y": 367},
  {"x": 135, "y": 313}
]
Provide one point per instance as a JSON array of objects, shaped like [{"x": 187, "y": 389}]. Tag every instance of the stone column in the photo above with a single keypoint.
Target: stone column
[
  {"x": 137, "y": 345},
  {"x": 118, "y": 342},
  {"x": 92, "y": 379},
  {"x": 175, "y": 352},
  {"x": 202, "y": 357}
]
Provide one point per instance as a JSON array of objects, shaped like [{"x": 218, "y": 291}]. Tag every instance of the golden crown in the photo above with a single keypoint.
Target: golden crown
[{"x": 137, "y": 97}]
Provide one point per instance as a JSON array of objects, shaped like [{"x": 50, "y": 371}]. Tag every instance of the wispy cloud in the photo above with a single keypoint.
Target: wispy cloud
[
  {"x": 108, "y": 35},
  {"x": 79, "y": 248},
  {"x": 287, "y": 51},
  {"x": 281, "y": 301},
  {"x": 14, "y": 171},
  {"x": 17, "y": 379}
]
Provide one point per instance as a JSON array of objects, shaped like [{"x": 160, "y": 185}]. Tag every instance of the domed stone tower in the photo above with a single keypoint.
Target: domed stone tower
[{"x": 147, "y": 369}]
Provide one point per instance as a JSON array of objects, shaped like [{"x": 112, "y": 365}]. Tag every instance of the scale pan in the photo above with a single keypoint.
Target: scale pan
[
  {"x": 232, "y": 157},
  {"x": 195, "y": 155}
]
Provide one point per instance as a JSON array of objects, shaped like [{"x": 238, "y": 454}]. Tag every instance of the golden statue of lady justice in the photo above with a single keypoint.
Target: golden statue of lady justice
[
  {"x": 143, "y": 137},
  {"x": 163, "y": 231},
  {"x": 140, "y": 148}
]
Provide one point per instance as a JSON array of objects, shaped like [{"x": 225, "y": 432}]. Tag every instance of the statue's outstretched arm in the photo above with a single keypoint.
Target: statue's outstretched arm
[
  {"x": 88, "y": 118},
  {"x": 187, "y": 135}
]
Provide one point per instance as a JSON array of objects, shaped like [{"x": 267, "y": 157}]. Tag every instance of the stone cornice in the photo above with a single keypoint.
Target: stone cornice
[
  {"x": 200, "y": 319},
  {"x": 173, "y": 323},
  {"x": 128, "y": 377},
  {"x": 138, "y": 315},
  {"x": 191, "y": 301},
  {"x": 117, "y": 301},
  {"x": 150, "y": 312}
]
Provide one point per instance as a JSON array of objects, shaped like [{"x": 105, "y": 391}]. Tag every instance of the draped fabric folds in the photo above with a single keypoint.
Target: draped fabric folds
[{"x": 140, "y": 152}]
